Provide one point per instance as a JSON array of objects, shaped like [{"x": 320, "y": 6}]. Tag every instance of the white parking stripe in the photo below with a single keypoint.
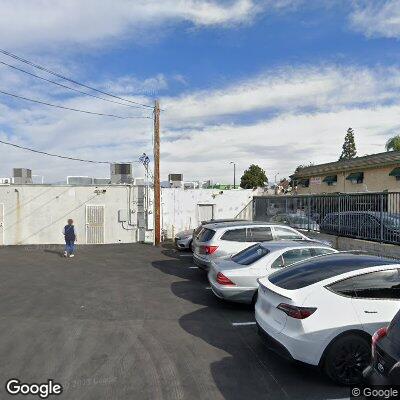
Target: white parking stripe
[
  {"x": 208, "y": 288},
  {"x": 194, "y": 267},
  {"x": 185, "y": 255},
  {"x": 243, "y": 323}
]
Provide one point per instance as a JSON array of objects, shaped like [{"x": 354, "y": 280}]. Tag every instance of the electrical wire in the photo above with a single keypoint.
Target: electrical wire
[
  {"x": 67, "y": 87},
  {"x": 71, "y": 109},
  {"x": 57, "y": 155},
  {"x": 9, "y": 54}
]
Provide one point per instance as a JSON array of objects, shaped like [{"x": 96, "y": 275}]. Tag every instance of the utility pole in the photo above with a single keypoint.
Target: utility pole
[
  {"x": 234, "y": 174},
  {"x": 157, "y": 189}
]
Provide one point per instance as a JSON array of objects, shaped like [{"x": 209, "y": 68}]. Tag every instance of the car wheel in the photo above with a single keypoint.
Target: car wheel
[
  {"x": 255, "y": 297},
  {"x": 191, "y": 246},
  {"x": 347, "y": 358}
]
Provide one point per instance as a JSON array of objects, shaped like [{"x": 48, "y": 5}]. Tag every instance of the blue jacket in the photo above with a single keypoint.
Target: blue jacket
[{"x": 69, "y": 233}]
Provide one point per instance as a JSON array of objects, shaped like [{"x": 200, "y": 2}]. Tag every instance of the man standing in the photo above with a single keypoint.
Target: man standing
[{"x": 70, "y": 235}]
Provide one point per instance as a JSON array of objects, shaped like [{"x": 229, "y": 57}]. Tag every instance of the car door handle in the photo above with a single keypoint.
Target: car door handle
[{"x": 370, "y": 312}]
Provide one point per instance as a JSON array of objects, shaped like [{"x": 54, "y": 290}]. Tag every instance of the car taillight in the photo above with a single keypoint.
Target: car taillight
[
  {"x": 209, "y": 249},
  {"x": 377, "y": 336},
  {"x": 223, "y": 280},
  {"x": 296, "y": 312}
]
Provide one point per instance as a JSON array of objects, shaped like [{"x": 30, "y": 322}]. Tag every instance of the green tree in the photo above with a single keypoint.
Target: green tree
[
  {"x": 349, "y": 146},
  {"x": 393, "y": 143},
  {"x": 253, "y": 177}
]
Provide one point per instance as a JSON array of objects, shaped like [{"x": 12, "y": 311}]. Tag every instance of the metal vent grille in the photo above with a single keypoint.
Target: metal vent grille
[{"x": 94, "y": 224}]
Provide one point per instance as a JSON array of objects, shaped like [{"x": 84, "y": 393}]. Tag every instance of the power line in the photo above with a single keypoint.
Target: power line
[
  {"x": 9, "y": 54},
  {"x": 67, "y": 87},
  {"x": 72, "y": 109},
  {"x": 56, "y": 155}
]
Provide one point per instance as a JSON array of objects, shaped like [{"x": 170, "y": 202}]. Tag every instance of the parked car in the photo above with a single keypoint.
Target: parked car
[
  {"x": 218, "y": 240},
  {"x": 323, "y": 311},
  {"x": 298, "y": 221},
  {"x": 184, "y": 239},
  {"x": 385, "y": 367},
  {"x": 363, "y": 224},
  {"x": 235, "y": 278}
]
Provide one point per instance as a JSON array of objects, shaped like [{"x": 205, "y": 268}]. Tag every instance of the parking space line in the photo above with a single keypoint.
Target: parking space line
[
  {"x": 194, "y": 267},
  {"x": 243, "y": 323},
  {"x": 208, "y": 288},
  {"x": 185, "y": 255}
]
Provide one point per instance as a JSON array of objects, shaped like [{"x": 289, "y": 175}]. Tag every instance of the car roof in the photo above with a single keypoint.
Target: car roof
[
  {"x": 220, "y": 221},
  {"x": 275, "y": 245},
  {"x": 319, "y": 269},
  {"x": 238, "y": 224}
]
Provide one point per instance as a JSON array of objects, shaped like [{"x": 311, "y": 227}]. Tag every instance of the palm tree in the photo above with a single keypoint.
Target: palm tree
[{"x": 393, "y": 143}]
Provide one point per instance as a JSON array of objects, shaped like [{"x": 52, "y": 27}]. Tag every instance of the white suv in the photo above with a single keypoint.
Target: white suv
[{"x": 218, "y": 240}]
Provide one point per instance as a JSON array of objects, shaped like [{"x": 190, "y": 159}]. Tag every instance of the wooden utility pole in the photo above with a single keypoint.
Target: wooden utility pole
[{"x": 157, "y": 189}]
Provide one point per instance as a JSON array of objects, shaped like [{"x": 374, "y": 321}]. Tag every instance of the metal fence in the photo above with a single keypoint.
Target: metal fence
[{"x": 370, "y": 216}]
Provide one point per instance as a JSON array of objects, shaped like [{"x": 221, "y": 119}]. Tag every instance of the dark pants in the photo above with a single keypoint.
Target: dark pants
[{"x": 70, "y": 246}]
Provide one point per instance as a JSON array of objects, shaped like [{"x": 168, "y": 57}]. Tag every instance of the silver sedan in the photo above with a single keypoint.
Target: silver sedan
[
  {"x": 184, "y": 239},
  {"x": 235, "y": 277}
]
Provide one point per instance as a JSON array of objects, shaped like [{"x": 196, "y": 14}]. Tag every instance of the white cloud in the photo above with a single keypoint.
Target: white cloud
[
  {"x": 288, "y": 89},
  {"x": 90, "y": 22},
  {"x": 377, "y": 18},
  {"x": 278, "y": 119}
]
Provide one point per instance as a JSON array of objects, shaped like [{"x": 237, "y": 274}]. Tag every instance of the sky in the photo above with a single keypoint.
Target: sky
[{"x": 270, "y": 82}]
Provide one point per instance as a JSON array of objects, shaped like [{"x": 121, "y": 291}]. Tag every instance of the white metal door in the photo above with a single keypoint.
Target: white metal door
[
  {"x": 206, "y": 212},
  {"x": 1, "y": 224},
  {"x": 94, "y": 224}
]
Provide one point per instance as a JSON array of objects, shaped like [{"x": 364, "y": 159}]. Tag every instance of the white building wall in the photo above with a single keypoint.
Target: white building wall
[
  {"x": 180, "y": 208},
  {"x": 36, "y": 214}
]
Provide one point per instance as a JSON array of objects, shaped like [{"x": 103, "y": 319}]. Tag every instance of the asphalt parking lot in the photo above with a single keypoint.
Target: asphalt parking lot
[{"x": 135, "y": 322}]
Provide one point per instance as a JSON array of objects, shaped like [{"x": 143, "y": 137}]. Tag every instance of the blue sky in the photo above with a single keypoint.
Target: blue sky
[{"x": 276, "y": 83}]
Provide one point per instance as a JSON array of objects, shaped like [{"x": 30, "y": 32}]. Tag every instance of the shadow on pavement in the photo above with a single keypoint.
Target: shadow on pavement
[{"x": 250, "y": 370}]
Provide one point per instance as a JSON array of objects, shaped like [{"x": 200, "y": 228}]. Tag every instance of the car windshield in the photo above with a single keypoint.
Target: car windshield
[{"x": 250, "y": 255}]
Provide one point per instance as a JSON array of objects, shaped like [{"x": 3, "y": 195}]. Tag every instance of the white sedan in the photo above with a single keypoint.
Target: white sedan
[
  {"x": 323, "y": 311},
  {"x": 235, "y": 278}
]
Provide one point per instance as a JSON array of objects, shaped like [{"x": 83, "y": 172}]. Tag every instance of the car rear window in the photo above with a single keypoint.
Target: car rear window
[
  {"x": 311, "y": 271},
  {"x": 250, "y": 255},
  {"x": 206, "y": 235}
]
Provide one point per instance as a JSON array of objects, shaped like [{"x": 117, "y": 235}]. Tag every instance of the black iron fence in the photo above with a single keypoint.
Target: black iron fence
[{"x": 370, "y": 216}]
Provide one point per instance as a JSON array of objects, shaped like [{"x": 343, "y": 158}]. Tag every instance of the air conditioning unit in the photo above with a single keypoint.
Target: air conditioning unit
[
  {"x": 6, "y": 181},
  {"x": 121, "y": 173},
  {"x": 22, "y": 176}
]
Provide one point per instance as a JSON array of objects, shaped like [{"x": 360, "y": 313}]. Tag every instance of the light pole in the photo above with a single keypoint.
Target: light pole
[
  {"x": 234, "y": 174},
  {"x": 275, "y": 177}
]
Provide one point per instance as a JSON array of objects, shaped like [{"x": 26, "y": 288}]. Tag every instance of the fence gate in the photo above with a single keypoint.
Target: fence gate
[
  {"x": 1, "y": 224},
  {"x": 94, "y": 224}
]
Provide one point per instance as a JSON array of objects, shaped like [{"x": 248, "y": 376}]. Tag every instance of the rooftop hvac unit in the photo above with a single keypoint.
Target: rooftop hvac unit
[
  {"x": 101, "y": 181},
  {"x": 121, "y": 173},
  {"x": 175, "y": 177},
  {"x": 6, "y": 181},
  {"x": 22, "y": 176},
  {"x": 79, "y": 180}
]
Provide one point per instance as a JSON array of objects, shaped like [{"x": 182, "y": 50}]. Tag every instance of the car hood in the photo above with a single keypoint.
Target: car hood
[{"x": 188, "y": 232}]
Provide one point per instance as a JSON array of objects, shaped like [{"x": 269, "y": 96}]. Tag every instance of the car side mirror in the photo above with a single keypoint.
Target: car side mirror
[{"x": 394, "y": 374}]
